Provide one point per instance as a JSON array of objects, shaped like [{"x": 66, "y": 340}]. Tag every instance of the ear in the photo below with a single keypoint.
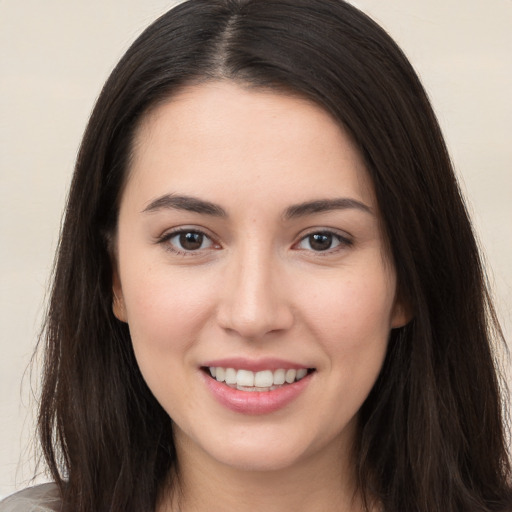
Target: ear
[
  {"x": 118, "y": 306},
  {"x": 401, "y": 314}
]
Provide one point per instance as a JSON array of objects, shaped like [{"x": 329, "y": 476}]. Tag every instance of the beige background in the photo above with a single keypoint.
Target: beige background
[{"x": 55, "y": 56}]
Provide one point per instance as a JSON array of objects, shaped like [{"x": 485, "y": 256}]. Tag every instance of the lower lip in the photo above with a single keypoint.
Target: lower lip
[{"x": 255, "y": 402}]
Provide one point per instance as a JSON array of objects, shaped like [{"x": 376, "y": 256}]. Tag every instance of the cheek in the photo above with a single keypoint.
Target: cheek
[
  {"x": 165, "y": 310},
  {"x": 165, "y": 316},
  {"x": 352, "y": 324},
  {"x": 351, "y": 315}
]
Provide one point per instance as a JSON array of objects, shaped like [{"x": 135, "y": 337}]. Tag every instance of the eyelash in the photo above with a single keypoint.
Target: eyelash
[
  {"x": 343, "y": 242},
  {"x": 165, "y": 240}
]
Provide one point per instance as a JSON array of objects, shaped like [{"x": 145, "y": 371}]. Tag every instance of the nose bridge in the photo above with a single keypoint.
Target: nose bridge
[{"x": 254, "y": 300}]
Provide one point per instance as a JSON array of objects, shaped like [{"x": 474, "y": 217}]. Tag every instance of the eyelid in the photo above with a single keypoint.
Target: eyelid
[
  {"x": 171, "y": 233},
  {"x": 345, "y": 240}
]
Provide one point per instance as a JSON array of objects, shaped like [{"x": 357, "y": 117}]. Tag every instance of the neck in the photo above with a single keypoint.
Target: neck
[{"x": 323, "y": 482}]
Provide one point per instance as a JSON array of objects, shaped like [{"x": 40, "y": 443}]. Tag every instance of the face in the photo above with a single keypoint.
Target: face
[{"x": 249, "y": 247}]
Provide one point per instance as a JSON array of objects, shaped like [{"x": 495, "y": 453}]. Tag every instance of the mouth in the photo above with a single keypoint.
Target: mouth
[{"x": 260, "y": 381}]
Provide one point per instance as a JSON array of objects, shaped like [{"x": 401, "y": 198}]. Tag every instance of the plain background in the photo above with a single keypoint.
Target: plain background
[{"x": 55, "y": 56}]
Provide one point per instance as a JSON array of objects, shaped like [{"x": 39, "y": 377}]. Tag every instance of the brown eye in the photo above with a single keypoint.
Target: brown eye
[
  {"x": 191, "y": 241},
  {"x": 187, "y": 241},
  {"x": 323, "y": 241},
  {"x": 320, "y": 241}
]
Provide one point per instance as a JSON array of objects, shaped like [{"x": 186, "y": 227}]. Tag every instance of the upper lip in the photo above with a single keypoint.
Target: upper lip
[{"x": 255, "y": 365}]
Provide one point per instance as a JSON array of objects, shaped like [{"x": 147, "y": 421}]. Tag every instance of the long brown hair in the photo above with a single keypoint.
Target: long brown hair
[{"x": 431, "y": 436}]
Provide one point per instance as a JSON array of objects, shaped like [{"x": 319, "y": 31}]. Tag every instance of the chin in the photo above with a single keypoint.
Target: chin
[
  {"x": 264, "y": 449},
  {"x": 257, "y": 459}
]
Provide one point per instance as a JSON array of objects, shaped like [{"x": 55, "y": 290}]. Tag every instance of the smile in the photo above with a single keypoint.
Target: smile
[{"x": 265, "y": 380}]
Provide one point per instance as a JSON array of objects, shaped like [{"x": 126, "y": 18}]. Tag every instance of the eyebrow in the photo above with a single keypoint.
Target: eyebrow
[
  {"x": 325, "y": 205},
  {"x": 187, "y": 203},
  {"x": 195, "y": 205}
]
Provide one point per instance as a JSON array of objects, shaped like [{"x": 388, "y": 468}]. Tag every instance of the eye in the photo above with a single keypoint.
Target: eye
[
  {"x": 322, "y": 241},
  {"x": 187, "y": 240}
]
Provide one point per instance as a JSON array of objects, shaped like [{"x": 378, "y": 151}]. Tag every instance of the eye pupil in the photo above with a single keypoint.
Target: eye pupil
[
  {"x": 191, "y": 240},
  {"x": 320, "y": 241}
]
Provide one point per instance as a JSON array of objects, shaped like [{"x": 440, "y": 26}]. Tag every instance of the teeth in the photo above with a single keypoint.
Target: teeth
[
  {"x": 265, "y": 380},
  {"x": 290, "y": 376},
  {"x": 279, "y": 377},
  {"x": 230, "y": 376},
  {"x": 245, "y": 378},
  {"x": 220, "y": 374},
  {"x": 301, "y": 373}
]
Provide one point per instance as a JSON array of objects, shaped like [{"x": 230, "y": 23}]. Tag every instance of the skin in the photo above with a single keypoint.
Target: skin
[{"x": 255, "y": 287}]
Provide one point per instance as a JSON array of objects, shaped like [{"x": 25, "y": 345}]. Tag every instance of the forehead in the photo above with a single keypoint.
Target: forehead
[{"x": 220, "y": 135}]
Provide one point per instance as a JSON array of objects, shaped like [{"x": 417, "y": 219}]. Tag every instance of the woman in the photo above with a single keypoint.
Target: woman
[{"x": 268, "y": 293}]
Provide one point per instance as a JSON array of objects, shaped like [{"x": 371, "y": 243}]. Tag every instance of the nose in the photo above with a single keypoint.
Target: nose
[{"x": 254, "y": 297}]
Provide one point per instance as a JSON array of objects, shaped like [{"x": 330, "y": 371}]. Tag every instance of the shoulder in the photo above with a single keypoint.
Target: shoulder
[{"x": 41, "y": 498}]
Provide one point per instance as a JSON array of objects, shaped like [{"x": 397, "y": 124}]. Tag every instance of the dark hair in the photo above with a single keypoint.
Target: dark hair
[{"x": 431, "y": 433}]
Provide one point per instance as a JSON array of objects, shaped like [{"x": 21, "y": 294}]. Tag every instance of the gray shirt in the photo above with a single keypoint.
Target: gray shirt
[{"x": 41, "y": 498}]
